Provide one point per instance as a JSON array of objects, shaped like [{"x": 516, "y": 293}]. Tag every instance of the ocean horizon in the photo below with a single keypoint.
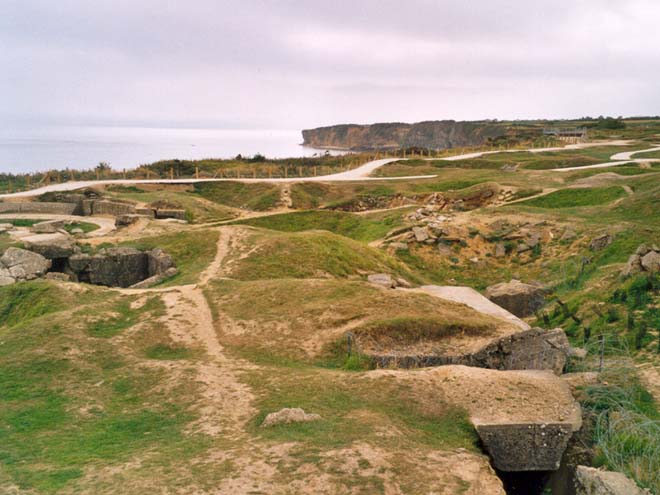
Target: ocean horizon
[{"x": 44, "y": 148}]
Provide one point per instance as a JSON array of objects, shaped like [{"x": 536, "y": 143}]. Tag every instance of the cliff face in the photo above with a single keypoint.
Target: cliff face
[{"x": 432, "y": 134}]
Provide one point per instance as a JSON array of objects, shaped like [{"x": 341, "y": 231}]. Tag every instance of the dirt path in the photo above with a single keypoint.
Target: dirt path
[
  {"x": 361, "y": 173},
  {"x": 226, "y": 402}
]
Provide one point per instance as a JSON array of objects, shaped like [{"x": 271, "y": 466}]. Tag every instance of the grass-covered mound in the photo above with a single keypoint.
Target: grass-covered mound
[
  {"x": 571, "y": 198},
  {"x": 256, "y": 196},
  {"x": 310, "y": 254},
  {"x": 350, "y": 225},
  {"x": 298, "y": 319}
]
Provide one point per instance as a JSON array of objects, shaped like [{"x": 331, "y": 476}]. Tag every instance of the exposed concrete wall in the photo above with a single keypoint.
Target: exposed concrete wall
[
  {"x": 38, "y": 207},
  {"x": 525, "y": 447}
]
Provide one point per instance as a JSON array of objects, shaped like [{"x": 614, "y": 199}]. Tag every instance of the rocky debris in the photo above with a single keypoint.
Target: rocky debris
[
  {"x": 77, "y": 231},
  {"x": 48, "y": 227},
  {"x": 592, "y": 481},
  {"x": 421, "y": 234},
  {"x": 21, "y": 264},
  {"x": 517, "y": 297},
  {"x": 601, "y": 242},
  {"x": 399, "y": 246},
  {"x": 127, "y": 219},
  {"x": 6, "y": 227},
  {"x": 568, "y": 235},
  {"x": 382, "y": 280},
  {"x": 645, "y": 259},
  {"x": 533, "y": 349},
  {"x": 632, "y": 266},
  {"x": 155, "y": 279},
  {"x": 51, "y": 246},
  {"x": 651, "y": 262},
  {"x": 159, "y": 261},
  {"x": 289, "y": 415}
]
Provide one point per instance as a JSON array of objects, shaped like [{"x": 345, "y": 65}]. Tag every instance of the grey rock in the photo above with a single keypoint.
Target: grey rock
[
  {"x": 601, "y": 242},
  {"x": 500, "y": 250},
  {"x": 399, "y": 246},
  {"x": 77, "y": 231},
  {"x": 51, "y": 246},
  {"x": 24, "y": 264},
  {"x": 402, "y": 282},
  {"x": 642, "y": 250},
  {"x": 568, "y": 235},
  {"x": 158, "y": 261},
  {"x": 382, "y": 279},
  {"x": 48, "y": 226},
  {"x": 517, "y": 297},
  {"x": 6, "y": 280},
  {"x": 592, "y": 481},
  {"x": 421, "y": 234},
  {"x": 522, "y": 247},
  {"x": 4, "y": 227},
  {"x": 155, "y": 279},
  {"x": 288, "y": 415},
  {"x": 651, "y": 262},
  {"x": 634, "y": 265},
  {"x": 79, "y": 262}
]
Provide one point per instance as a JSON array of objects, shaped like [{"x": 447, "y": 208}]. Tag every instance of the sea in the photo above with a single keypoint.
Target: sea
[{"x": 36, "y": 149}]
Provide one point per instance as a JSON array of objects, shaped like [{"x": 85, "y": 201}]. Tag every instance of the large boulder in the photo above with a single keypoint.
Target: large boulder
[
  {"x": 51, "y": 246},
  {"x": 23, "y": 264},
  {"x": 289, "y": 415},
  {"x": 382, "y": 279},
  {"x": 592, "y": 481},
  {"x": 634, "y": 265},
  {"x": 517, "y": 297},
  {"x": 48, "y": 226},
  {"x": 5, "y": 277},
  {"x": 159, "y": 261},
  {"x": 651, "y": 262}
]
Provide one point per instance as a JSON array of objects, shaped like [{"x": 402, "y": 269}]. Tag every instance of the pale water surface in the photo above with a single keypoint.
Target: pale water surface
[{"x": 44, "y": 148}]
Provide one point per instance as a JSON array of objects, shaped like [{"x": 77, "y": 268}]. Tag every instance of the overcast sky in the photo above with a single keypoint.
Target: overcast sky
[{"x": 290, "y": 64}]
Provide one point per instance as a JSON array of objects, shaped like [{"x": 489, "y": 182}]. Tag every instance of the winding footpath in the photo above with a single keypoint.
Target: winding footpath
[{"x": 361, "y": 173}]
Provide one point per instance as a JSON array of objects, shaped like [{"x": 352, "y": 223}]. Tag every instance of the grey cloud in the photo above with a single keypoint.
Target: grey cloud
[{"x": 292, "y": 64}]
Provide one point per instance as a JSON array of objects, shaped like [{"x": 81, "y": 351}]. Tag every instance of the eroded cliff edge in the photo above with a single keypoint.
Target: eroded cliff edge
[{"x": 430, "y": 134}]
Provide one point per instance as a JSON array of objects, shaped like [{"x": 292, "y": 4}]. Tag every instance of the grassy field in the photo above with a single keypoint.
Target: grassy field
[{"x": 72, "y": 401}]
